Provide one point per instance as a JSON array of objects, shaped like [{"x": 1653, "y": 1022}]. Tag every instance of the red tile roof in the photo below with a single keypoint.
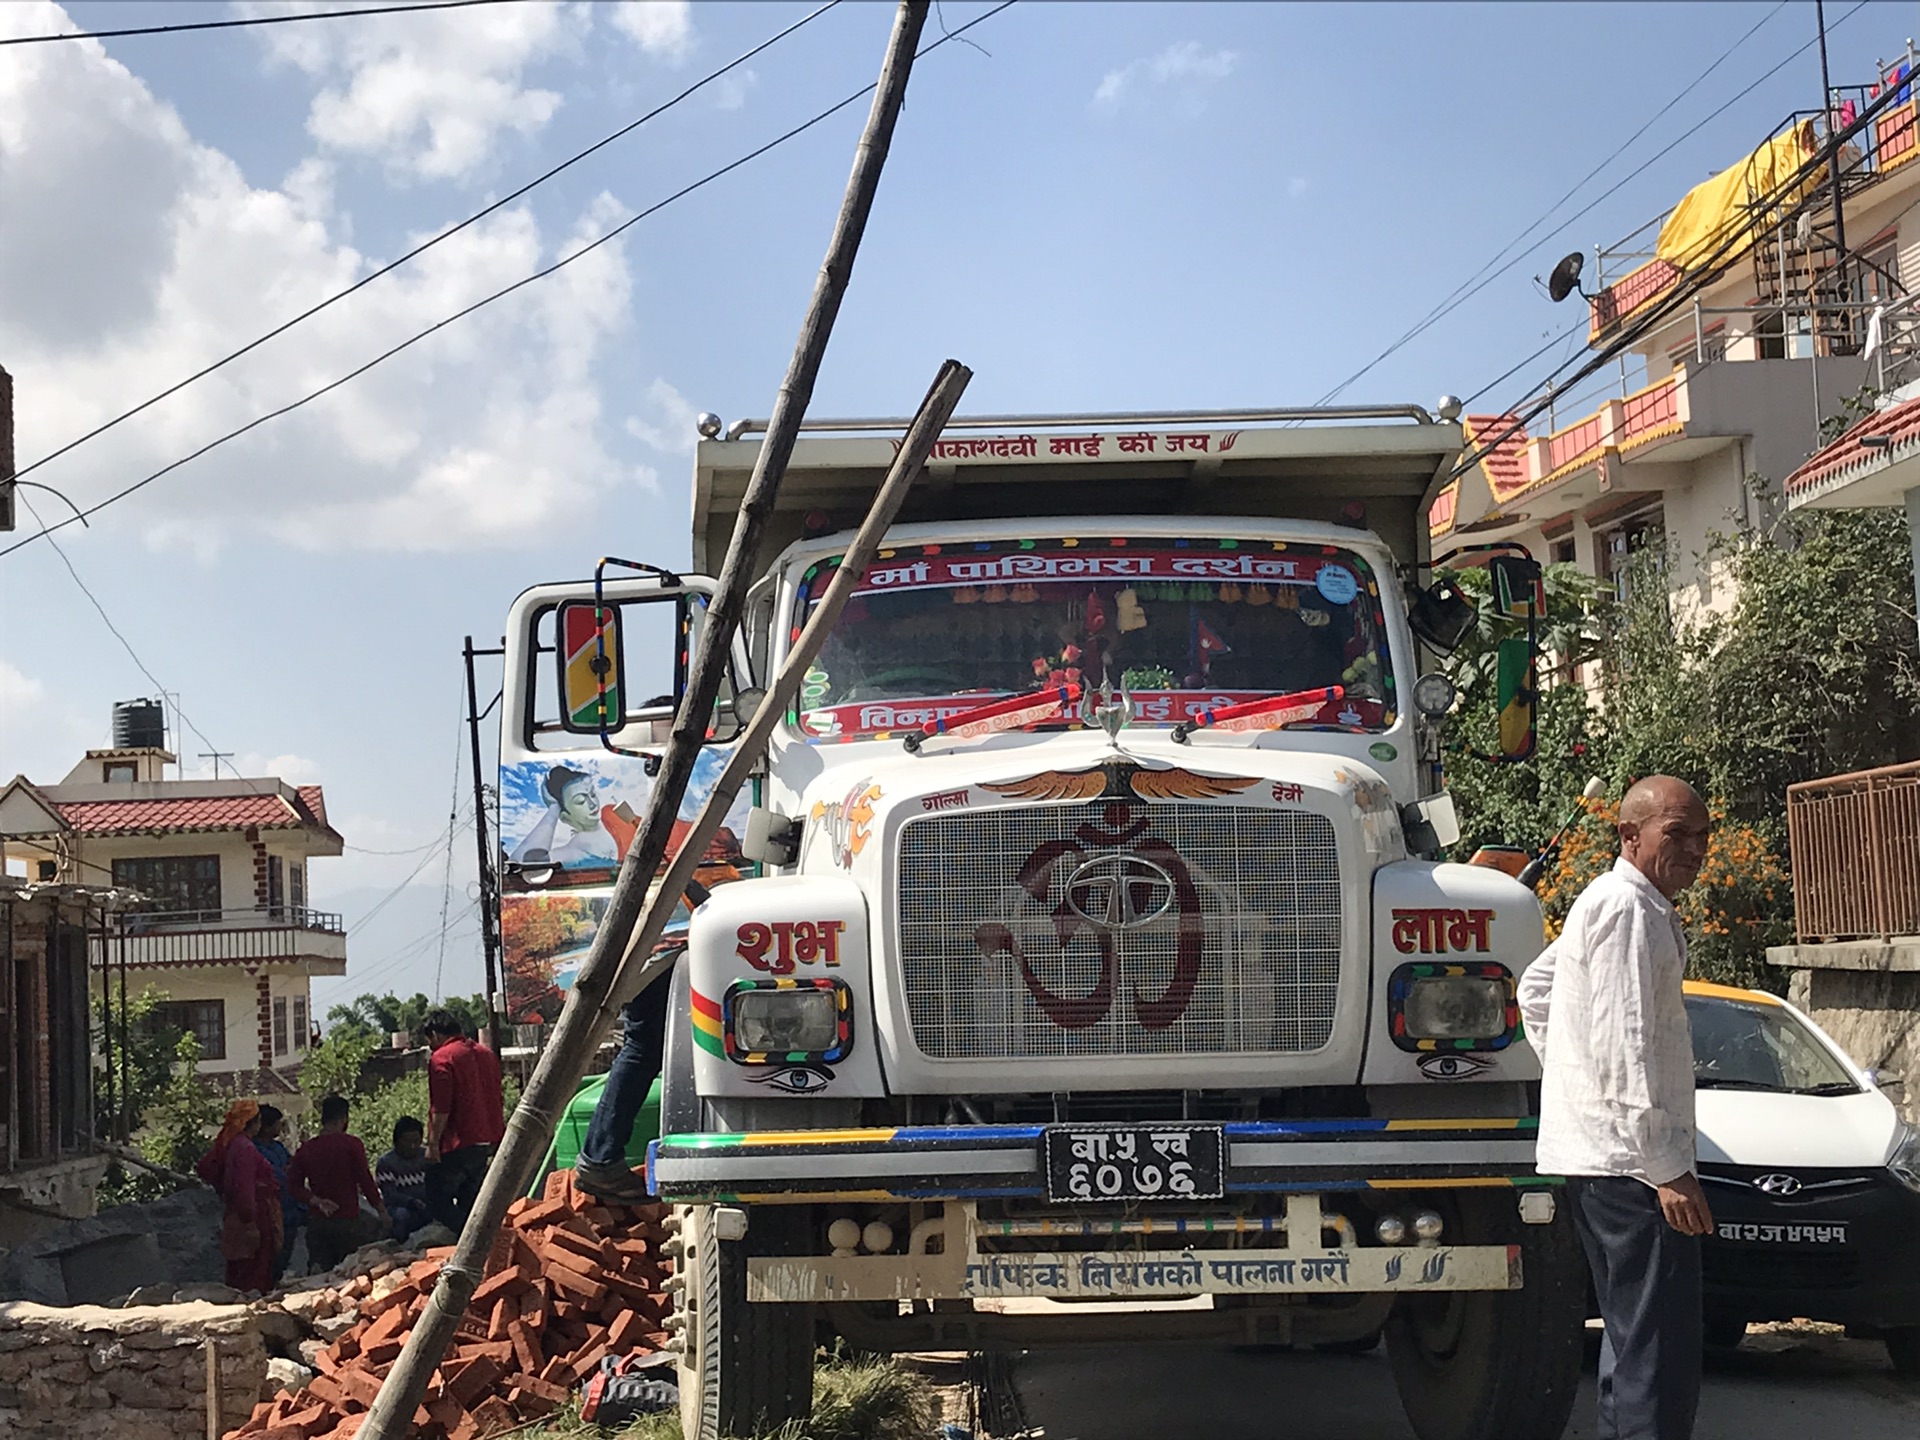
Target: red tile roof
[
  {"x": 268, "y": 811},
  {"x": 1899, "y": 425},
  {"x": 1505, "y": 465}
]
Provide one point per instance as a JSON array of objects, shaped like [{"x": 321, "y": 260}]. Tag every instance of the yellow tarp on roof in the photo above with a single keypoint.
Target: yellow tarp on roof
[{"x": 1717, "y": 210}]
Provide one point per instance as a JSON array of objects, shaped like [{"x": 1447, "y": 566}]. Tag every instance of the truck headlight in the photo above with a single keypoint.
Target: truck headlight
[
  {"x": 1905, "y": 1161},
  {"x": 781, "y": 1021},
  {"x": 1452, "y": 1007}
]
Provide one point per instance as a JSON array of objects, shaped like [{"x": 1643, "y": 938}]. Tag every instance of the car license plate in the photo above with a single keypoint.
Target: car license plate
[
  {"x": 1834, "y": 1233},
  {"x": 1134, "y": 1162}
]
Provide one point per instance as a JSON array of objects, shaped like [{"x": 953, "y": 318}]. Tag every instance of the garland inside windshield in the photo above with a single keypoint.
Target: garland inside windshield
[{"x": 1182, "y": 626}]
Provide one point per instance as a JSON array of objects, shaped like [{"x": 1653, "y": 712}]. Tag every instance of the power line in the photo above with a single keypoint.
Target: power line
[
  {"x": 427, "y": 245},
  {"x": 252, "y": 20},
  {"x": 446, "y": 880},
  {"x": 1457, "y": 298},
  {"x": 1701, "y": 270},
  {"x": 500, "y": 294}
]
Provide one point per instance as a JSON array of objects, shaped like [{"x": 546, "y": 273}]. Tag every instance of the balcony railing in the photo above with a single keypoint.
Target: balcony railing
[
  {"x": 1855, "y": 846},
  {"x": 191, "y": 937}
]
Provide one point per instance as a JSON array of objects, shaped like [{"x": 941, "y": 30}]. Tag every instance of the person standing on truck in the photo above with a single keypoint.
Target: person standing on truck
[
  {"x": 1616, "y": 1108},
  {"x": 602, "y": 1170},
  {"x": 464, "y": 1123}
]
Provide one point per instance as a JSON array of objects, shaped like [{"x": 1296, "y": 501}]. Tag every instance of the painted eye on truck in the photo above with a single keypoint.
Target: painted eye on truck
[
  {"x": 1455, "y": 1066},
  {"x": 795, "y": 1079}
]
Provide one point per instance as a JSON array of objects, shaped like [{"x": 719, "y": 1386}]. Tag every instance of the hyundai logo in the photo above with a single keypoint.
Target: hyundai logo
[
  {"x": 1777, "y": 1185},
  {"x": 1120, "y": 892}
]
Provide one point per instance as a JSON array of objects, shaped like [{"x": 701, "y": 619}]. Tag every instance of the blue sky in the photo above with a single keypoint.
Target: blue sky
[{"x": 1115, "y": 206}]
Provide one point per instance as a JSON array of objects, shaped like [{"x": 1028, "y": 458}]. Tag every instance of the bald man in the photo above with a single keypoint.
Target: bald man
[{"x": 1616, "y": 1109}]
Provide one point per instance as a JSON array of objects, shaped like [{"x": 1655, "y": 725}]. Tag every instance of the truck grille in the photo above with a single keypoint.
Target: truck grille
[{"x": 1250, "y": 940}]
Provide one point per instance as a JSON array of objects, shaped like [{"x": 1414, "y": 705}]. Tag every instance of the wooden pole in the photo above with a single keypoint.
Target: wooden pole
[{"x": 558, "y": 1072}]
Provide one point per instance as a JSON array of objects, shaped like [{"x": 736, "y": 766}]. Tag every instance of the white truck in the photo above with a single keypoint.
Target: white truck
[{"x": 1087, "y": 939}]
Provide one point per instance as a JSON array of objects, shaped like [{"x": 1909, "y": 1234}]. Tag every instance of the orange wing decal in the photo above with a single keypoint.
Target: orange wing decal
[
  {"x": 1185, "y": 785},
  {"x": 1054, "y": 785}
]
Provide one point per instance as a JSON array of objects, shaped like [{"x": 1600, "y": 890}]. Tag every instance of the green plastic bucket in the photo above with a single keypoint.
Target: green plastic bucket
[{"x": 571, "y": 1133}]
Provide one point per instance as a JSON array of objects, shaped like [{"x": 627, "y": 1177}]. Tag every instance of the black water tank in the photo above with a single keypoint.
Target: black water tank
[{"x": 139, "y": 725}]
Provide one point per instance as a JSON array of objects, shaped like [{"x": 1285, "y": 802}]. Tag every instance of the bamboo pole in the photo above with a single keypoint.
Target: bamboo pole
[{"x": 558, "y": 1072}]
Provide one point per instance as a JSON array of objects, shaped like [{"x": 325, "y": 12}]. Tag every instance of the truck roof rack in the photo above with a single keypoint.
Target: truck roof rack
[{"x": 1301, "y": 414}]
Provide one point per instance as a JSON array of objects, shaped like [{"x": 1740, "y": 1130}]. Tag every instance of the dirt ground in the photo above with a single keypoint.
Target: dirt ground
[{"x": 1789, "y": 1382}]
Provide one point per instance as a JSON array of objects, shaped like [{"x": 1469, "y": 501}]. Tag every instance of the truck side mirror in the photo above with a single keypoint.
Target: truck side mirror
[
  {"x": 1441, "y": 614},
  {"x": 591, "y": 663},
  {"x": 1514, "y": 697},
  {"x": 1519, "y": 592}
]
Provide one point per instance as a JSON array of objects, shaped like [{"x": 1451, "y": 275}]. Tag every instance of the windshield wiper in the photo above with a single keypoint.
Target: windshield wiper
[
  {"x": 1272, "y": 713},
  {"x": 1730, "y": 1082},
  {"x": 1831, "y": 1087},
  {"x": 998, "y": 715}
]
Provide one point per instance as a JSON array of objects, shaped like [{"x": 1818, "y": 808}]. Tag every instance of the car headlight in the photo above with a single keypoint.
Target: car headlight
[
  {"x": 1454, "y": 1007},
  {"x": 774, "y": 1021},
  {"x": 1905, "y": 1160}
]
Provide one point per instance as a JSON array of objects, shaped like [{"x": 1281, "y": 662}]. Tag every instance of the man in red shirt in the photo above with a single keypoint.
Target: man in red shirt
[
  {"x": 464, "y": 1123},
  {"x": 329, "y": 1174}
]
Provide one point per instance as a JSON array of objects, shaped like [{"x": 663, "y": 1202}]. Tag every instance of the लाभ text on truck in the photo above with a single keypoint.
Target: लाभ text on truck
[{"x": 1086, "y": 936}]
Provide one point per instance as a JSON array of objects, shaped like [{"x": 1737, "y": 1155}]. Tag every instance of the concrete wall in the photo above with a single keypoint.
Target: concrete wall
[{"x": 1867, "y": 997}]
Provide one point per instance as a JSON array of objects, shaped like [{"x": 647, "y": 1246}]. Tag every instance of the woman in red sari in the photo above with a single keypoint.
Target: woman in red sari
[{"x": 250, "y": 1228}]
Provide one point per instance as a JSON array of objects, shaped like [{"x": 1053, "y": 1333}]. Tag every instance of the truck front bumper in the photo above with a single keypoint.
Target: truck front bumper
[{"x": 979, "y": 1162}]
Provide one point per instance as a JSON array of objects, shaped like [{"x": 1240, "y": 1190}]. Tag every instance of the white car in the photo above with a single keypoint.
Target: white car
[{"x": 1813, "y": 1177}]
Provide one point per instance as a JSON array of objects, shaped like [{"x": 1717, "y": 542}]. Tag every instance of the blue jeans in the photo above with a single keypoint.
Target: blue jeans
[{"x": 634, "y": 1071}]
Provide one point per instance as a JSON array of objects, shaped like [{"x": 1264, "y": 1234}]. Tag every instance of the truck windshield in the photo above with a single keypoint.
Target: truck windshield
[{"x": 933, "y": 630}]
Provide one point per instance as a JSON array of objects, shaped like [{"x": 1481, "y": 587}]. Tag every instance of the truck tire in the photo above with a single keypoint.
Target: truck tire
[
  {"x": 1496, "y": 1365},
  {"x": 744, "y": 1369}
]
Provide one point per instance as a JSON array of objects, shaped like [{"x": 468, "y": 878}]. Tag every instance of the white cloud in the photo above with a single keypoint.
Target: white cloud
[
  {"x": 133, "y": 255},
  {"x": 293, "y": 769},
  {"x": 659, "y": 27},
  {"x": 429, "y": 94},
  {"x": 669, "y": 426},
  {"x": 730, "y": 90},
  {"x": 42, "y": 734},
  {"x": 1184, "y": 66}
]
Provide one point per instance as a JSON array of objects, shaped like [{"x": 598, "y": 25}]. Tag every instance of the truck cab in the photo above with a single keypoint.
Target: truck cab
[{"x": 1088, "y": 936}]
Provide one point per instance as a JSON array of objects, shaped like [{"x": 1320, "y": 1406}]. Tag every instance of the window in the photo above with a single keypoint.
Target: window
[
  {"x": 1627, "y": 545},
  {"x": 276, "y": 885},
  {"x": 205, "y": 1020},
  {"x": 116, "y": 772},
  {"x": 280, "y": 1026},
  {"x": 297, "y": 893},
  {"x": 299, "y": 1022},
  {"x": 187, "y": 886},
  {"x": 1561, "y": 551}
]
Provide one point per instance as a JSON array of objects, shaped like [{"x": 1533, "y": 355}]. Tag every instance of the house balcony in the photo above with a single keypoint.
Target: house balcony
[
  {"x": 1854, "y": 843},
  {"x": 284, "y": 934}
]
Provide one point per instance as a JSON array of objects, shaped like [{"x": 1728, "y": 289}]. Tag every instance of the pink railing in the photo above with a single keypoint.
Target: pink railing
[{"x": 1855, "y": 846}]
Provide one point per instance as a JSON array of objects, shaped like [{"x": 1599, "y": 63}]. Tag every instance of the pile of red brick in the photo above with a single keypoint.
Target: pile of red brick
[{"x": 570, "y": 1281}]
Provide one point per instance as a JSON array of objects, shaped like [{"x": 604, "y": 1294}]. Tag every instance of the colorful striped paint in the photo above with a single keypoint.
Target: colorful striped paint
[{"x": 706, "y": 1025}]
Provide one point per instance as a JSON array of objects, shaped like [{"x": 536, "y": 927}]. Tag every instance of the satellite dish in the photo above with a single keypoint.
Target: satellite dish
[{"x": 1565, "y": 278}]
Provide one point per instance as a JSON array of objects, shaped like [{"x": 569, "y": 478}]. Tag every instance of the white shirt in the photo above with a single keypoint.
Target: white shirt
[{"x": 1617, "y": 1092}]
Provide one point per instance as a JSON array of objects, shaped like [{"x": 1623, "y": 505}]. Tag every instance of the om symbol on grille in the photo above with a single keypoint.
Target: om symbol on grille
[{"x": 1125, "y": 880}]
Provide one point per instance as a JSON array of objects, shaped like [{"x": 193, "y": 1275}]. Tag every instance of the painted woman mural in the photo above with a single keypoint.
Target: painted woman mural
[{"x": 570, "y": 832}]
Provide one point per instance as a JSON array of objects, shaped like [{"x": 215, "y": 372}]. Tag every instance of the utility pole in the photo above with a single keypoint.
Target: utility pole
[
  {"x": 6, "y": 451},
  {"x": 583, "y": 1018},
  {"x": 1833, "y": 171},
  {"x": 489, "y": 872}
]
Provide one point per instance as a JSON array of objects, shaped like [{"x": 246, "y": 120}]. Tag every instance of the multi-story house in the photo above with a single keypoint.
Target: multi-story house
[
  {"x": 1748, "y": 324},
  {"x": 225, "y": 929}
]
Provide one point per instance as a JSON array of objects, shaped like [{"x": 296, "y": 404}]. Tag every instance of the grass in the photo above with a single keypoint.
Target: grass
[{"x": 852, "y": 1400}]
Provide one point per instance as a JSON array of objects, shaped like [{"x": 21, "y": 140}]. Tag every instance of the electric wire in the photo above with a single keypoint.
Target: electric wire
[
  {"x": 500, "y": 294},
  {"x": 236, "y": 24},
  {"x": 1458, "y": 299},
  {"x": 446, "y": 880},
  {"x": 437, "y": 239},
  {"x": 1700, "y": 272}
]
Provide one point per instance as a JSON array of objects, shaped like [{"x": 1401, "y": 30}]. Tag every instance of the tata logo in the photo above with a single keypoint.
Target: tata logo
[
  {"x": 1777, "y": 1185},
  {"x": 1120, "y": 891}
]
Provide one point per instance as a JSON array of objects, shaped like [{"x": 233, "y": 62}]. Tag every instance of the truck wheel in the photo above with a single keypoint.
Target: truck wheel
[
  {"x": 1903, "y": 1349},
  {"x": 1471, "y": 1365},
  {"x": 744, "y": 1369}
]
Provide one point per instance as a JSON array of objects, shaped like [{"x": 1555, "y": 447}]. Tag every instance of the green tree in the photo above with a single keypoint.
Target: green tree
[
  {"x": 333, "y": 1066},
  {"x": 384, "y": 1015},
  {"x": 136, "y": 1065}
]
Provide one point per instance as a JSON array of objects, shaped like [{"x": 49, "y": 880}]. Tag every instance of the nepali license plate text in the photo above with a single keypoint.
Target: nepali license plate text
[
  {"x": 1833, "y": 1234},
  {"x": 1134, "y": 1162}
]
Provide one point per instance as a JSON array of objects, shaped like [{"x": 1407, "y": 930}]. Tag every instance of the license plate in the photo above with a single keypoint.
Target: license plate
[
  {"x": 1777, "y": 1234},
  {"x": 1088, "y": 1163}
]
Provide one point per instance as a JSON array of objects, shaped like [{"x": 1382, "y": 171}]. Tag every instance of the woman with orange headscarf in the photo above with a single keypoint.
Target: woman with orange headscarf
[{"x": 250, "y": 1228}]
